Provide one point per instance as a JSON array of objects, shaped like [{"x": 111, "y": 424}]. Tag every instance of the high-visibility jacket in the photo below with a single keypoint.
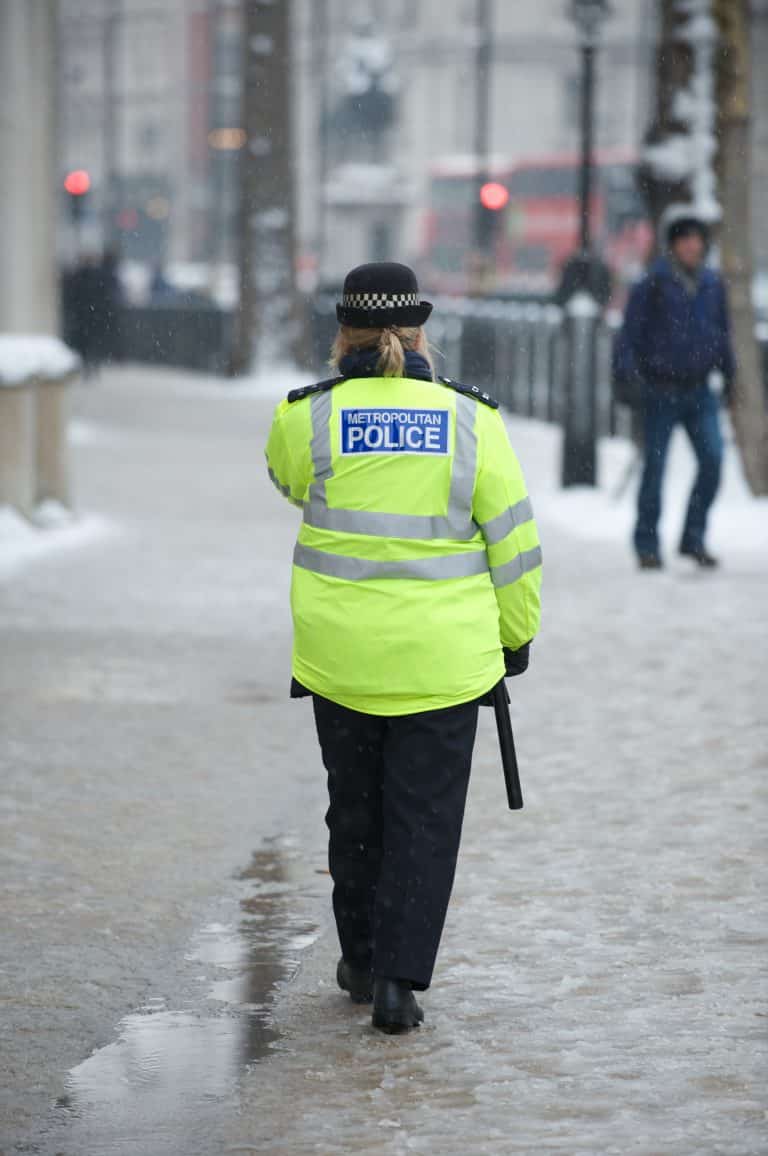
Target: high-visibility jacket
[{"x": 418, "y": 557}]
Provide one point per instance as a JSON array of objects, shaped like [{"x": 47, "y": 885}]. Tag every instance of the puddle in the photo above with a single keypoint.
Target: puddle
[{"x": 167, "y": 1084}]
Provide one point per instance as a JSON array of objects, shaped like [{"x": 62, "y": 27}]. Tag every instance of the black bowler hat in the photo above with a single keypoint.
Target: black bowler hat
[{"x": 379, "y": 294}]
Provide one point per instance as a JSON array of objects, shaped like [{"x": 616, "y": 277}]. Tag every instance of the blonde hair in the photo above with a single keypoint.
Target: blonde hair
[{"x": 392, "y": 343}]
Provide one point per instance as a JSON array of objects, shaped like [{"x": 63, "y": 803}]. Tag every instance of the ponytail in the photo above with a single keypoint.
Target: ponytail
[
  {"x": 391, "y": 344},
  {"x": 391, "y": 353}
]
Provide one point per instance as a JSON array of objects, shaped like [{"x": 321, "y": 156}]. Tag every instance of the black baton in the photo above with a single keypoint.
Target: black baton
[{"x": 507, "y": 744}]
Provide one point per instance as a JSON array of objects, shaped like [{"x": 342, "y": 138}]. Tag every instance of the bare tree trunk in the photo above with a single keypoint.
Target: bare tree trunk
[
  {"x": 662, "y": 183},
  {"x": 703, "y": 115},
  {"x": 750, "y": 418}
]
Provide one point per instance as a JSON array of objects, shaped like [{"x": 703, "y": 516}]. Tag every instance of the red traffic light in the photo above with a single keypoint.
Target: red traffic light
[
  {"x": 77, "y": 183},
  {"x": 494, "y": 196}
]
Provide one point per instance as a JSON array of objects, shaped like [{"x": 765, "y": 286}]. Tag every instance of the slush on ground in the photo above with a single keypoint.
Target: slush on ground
[{"x": 168, "y": 956}]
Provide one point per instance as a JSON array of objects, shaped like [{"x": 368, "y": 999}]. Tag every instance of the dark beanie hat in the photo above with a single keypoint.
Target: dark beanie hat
[
  {"x": 685, "y": 226},
  {"x": 379, "y": 294}
]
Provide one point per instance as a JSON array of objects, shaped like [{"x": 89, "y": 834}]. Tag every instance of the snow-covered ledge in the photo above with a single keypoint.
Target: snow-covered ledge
[
  {"x": 33, "y": 419},
  {"x": 35, "y": 356}
]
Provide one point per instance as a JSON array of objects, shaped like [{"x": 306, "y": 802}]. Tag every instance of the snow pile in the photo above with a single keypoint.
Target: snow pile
[
  {"x": 53, "y": 529},
  {"x": 27, "y": 356},
  {"x": 606, "y": 513},
  {"x": 52, "y": 515},
  {"x": 15, "y": 532}
]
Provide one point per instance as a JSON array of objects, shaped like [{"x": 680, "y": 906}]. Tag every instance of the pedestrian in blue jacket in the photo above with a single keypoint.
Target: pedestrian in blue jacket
[{"x": 676, "y": 332}]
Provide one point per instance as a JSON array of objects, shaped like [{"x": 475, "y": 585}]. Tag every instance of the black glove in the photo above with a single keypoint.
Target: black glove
[{"x": 516, "y": 661}]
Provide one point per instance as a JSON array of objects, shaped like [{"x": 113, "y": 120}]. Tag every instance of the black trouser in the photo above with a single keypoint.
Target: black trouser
[{"x": 397, "y": 790}]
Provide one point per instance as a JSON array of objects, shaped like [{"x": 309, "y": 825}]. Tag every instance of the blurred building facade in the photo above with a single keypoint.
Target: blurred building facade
[
  {"x": 149, "y": 105},
  {"x": 147, "y": 92},
  {"x": 388, "y": 90}
]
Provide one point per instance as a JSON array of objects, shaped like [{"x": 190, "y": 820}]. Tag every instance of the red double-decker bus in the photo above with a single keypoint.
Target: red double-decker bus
[{"x": 537, "y": 229}]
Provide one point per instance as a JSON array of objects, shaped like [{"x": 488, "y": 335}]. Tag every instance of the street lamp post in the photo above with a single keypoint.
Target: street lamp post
[
  {"x": 587, "y": 15},
  {"x": 586, "y": 285}
]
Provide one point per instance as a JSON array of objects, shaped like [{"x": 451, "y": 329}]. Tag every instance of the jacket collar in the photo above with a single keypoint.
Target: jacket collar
[{"x": 365, "y": 363}]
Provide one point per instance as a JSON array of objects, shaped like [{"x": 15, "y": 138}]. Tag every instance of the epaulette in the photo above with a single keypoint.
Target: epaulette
[
  {"x": 319, "y": 387},
  {"x": 470, "y": 391}
]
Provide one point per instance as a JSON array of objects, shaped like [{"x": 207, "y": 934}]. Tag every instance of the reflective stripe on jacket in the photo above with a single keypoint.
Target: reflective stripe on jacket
[{"x": 418, "y": 556}]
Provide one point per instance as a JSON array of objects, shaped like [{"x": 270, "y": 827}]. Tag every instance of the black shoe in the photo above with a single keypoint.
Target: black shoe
[
  {"x": 394, "y": 1006},
  {"x": 357, "y": 981},
  {"x": 650, "y": 562},
  {"x": 701, "y": 557}
]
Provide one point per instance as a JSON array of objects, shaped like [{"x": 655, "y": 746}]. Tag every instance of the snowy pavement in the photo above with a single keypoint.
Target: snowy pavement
[
  {"x": 602, "y": 980},
  {"x": 601, "y": 983}
]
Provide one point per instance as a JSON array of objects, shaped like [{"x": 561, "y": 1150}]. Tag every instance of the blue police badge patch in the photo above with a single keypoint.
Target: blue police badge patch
[{"x": 394, "y": 431}]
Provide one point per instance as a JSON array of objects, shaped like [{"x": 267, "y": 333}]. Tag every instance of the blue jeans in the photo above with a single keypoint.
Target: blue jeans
[{"x": 696, "y": 409}]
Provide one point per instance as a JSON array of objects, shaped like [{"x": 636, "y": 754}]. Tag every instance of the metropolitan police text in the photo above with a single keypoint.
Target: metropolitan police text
[{"x": 421, "y": 431}]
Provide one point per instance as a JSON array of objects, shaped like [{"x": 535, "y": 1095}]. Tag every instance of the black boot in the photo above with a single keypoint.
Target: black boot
[
  {"x": 649, "y": 562},
  {"x": 357, "y": 981},
  {"x": 701, "y": 557},
  {"x": 394, "y": 1006}
]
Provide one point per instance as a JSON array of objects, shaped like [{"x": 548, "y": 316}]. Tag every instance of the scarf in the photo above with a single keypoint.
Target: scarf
[
  {"x": 365, "y": 363},
  {"x": 690, "y": 278}
]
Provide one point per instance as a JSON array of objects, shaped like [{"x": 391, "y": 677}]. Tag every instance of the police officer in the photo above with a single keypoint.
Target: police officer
[{"x": 416, "y": 580}]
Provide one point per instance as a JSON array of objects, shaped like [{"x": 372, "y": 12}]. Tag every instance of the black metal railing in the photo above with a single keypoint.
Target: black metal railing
[
  {"x": 188, "y": 333},
  {"x": 514, "y": 349}
]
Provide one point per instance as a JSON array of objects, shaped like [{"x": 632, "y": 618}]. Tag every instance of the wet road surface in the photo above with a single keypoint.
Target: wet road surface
[
  {"x": 171, "y": 1079},
  {"x": 148, "y": 745}
]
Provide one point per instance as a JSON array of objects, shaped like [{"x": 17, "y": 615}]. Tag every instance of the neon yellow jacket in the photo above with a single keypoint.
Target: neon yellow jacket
[{"x": 418, "y": 556}]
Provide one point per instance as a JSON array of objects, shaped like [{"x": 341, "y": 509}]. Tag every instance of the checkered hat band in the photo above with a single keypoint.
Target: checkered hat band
[{"x": 379, "y": 300}]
